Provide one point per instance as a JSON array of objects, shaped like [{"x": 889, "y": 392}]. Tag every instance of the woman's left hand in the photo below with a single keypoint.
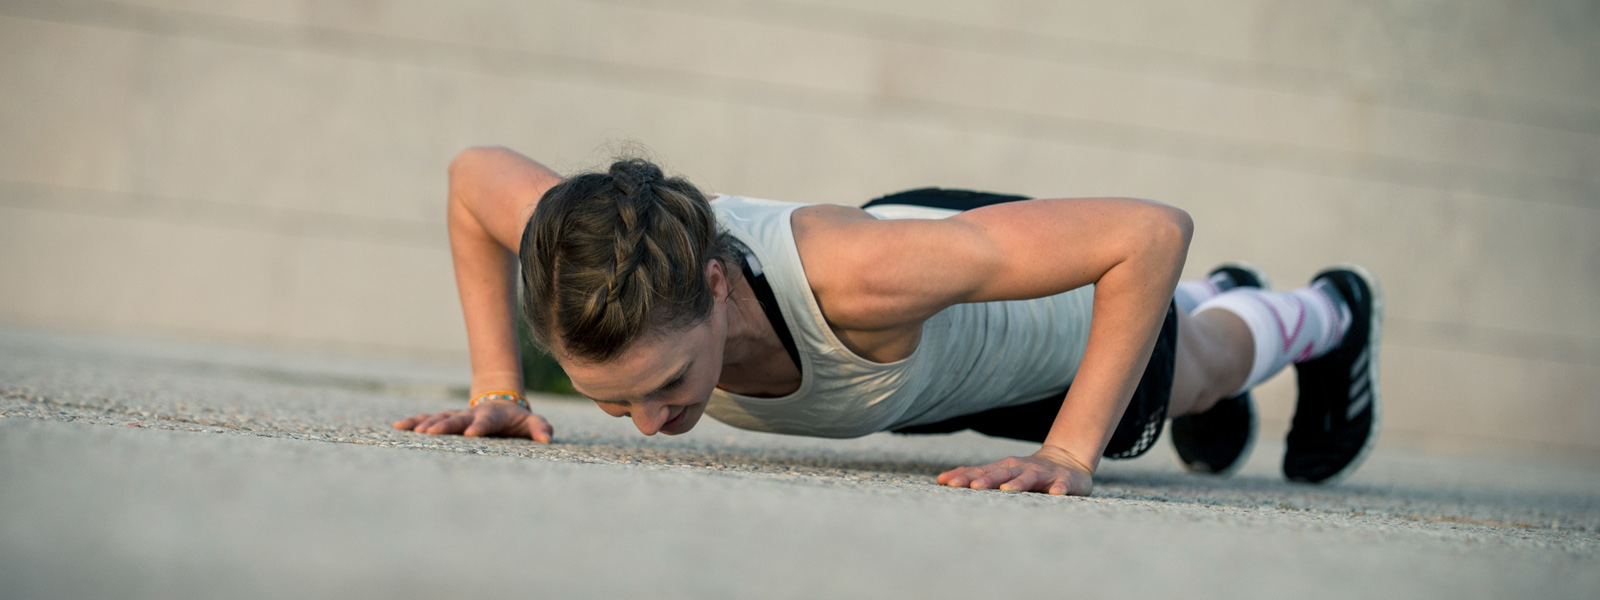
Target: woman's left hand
[{"x": 1050, "y": 470}]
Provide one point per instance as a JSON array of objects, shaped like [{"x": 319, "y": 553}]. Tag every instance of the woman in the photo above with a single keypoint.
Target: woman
[{"x": 912, "y": 315}]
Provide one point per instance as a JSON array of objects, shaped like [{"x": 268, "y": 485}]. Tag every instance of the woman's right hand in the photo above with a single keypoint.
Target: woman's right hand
[{"x": 499, "y": 419}]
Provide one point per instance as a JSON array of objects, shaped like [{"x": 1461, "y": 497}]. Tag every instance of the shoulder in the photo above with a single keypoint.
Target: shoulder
[
  {"x": 827, "y": 219},
  {"x": 825, "y": 235},
  {"x": 870, "y": 273},
  {"x": 836, "y": 256},
  {"x": 822, "y": 237}
]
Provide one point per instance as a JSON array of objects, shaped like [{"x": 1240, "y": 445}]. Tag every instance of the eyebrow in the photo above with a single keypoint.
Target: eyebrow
[{"x": 671, "y": 382}]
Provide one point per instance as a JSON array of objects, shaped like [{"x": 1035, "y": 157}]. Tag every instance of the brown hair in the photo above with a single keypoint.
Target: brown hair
[{"x": 608, "y": 257}]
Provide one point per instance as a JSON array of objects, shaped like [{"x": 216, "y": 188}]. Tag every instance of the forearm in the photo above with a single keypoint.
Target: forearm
[
  {"x": 1130, "y": 302},
  {"x": 493, "y": 191},
  {"x": 485, "y": 280}
]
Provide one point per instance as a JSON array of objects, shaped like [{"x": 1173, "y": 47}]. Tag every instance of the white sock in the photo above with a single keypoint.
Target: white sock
[
  {"x": 1192, "y": 292},
  {"x": 1293, "y": 326}
]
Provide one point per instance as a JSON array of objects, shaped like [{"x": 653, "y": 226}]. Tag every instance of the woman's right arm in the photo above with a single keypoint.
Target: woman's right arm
[{"x": 492, "y": 194}]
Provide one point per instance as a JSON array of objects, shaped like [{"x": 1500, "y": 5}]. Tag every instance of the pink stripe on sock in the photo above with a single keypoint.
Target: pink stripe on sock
[
  {"x": 1300, "y": 322},
  {"x": 1305, "y": 355},
  {"x": 1336, "y": 322},
  {"x": 1278, "y": 318}
]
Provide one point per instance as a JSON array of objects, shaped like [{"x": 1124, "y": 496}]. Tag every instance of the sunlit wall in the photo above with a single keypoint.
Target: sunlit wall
[{"x": 273, "y": 172}]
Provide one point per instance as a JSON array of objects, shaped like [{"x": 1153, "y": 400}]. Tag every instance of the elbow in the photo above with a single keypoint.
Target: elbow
[
  {"x": 1182, "y": 223},
  {"x": 471, "y": 176},
  {"x": 472, "y": 161},
  {"x": 1170, "y": 231}
]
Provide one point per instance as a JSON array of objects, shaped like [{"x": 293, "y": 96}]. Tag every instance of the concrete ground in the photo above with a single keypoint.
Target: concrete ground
[{"x": 139, "y": 469}]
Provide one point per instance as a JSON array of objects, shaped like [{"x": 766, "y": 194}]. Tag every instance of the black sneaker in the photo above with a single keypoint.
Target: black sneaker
[
  {"x": 1336, "y": 417},
  {"x": 1218, "y": 440},
  {"x": 1239, "y": 274}
]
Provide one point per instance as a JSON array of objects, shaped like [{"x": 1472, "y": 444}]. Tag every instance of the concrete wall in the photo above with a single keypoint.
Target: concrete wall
[{"x": 273, "y": 173}]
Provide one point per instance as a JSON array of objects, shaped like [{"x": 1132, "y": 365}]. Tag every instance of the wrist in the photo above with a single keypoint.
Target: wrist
[
  {"x": 499, "y": 396},
  {"x": 1066, "y": 457},
  {"x": 496, "y": 381}
]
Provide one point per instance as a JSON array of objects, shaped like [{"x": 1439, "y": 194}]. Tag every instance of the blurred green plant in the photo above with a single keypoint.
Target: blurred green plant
[{"x": 540, "y": 372}]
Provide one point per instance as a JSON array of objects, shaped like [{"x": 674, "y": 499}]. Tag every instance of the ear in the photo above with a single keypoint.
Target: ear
[{"x": 717, "y": 279}]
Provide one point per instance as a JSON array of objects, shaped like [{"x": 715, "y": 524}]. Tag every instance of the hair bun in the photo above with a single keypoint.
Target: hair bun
[{"x": 634, "y": 175}]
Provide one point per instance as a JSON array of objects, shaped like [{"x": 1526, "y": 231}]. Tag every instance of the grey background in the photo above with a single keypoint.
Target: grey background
[{"x": 272, "y": 173}]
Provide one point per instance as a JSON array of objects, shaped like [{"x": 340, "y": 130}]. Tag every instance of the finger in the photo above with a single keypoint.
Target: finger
[
  {"x": 1058, "y": 487},
  {"x": 539, "y": 429},
  {"x": 959, "y": 476},
  {"x": 427, "y": 423},
  {"x": 992, "y": 475},
  {"x": 944, "y": 478},
  {"x": 482, "y": 423},
  {"x": 424, "y": 421},
  {"x": 456, "y": 424},
  {"x": 411, "y": 422},
  {"x": 451, "y": 424},
  {"x": 437, "y": 419},
  {"x": 1025, "y": 482},
  {"x": 419, "y": 421}
]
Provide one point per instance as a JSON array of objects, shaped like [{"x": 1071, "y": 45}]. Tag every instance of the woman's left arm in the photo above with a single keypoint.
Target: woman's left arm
[{"x": 880, "y": 273}]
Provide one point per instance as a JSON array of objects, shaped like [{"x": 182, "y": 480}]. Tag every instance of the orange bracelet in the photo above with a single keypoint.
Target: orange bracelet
[{"x": 500, "y": 395}]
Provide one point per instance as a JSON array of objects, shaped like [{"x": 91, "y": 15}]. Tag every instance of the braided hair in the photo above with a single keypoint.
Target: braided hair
[{"x": 608, "y": 257}]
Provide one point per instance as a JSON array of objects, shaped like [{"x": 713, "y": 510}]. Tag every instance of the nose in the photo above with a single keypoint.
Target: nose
[{"x": 650, "y": 417}]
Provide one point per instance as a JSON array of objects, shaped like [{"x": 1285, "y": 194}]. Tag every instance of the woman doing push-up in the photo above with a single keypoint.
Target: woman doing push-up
[{"x": 1056, "y": 321}]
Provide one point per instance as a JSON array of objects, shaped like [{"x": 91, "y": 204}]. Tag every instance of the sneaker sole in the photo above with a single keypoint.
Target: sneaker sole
[{"x": 1373, "y": 345}]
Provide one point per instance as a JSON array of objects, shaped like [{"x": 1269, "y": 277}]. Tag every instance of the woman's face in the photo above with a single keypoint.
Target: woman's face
[{"x": 662, "y": 381}]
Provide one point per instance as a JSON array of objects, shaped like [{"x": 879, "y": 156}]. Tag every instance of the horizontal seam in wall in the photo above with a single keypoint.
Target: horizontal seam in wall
[
  {"x": 1456, "y": 337},
  {"x": 1240, "y": 73},
  {"x": 289, "y": 222},
  {"x": 1494, "y": 341},
  {"x": 1570, "y": 449},
  {"x": 1431, "y": 175}
]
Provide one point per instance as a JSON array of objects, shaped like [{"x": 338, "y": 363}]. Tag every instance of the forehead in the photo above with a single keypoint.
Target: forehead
[{"x": 642, "y": 367}]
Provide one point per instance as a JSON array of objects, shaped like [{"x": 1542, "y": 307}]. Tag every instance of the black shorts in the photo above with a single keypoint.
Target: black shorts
[{"x": 1146, "y": 413}]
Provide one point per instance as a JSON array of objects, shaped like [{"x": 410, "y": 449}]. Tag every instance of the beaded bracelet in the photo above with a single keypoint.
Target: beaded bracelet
[{"x": 500, "y": 395}]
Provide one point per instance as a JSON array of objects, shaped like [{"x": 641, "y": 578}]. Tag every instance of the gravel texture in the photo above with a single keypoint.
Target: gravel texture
[{"x": 133, "y": 468}]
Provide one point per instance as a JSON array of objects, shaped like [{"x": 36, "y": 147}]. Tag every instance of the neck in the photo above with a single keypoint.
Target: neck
[
  {"x": 749, "y": 334},
  {"x": 754, "y": 362}
]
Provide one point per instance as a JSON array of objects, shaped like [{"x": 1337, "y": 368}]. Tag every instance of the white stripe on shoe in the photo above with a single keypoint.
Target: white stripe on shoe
[{"x": 1361, "y": 402}]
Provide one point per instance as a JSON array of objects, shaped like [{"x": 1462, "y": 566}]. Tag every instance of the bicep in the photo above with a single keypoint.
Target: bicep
[
  {"x": 1053, "y": 245},
  {"x": 885, "y": 273}
]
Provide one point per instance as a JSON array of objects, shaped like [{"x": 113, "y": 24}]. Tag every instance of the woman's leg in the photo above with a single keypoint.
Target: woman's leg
[
  {"x": 1218, "y": 356},
  {"x": 1215, "y": 353},
  {"x": 1239, "y": 338}
]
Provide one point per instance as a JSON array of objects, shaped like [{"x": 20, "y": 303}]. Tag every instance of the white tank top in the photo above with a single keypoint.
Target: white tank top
[{"x": 971, "y": 358}]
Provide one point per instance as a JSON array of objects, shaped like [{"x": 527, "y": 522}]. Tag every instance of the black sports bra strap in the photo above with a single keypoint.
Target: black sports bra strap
[{"x": 769, "y": 305}]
